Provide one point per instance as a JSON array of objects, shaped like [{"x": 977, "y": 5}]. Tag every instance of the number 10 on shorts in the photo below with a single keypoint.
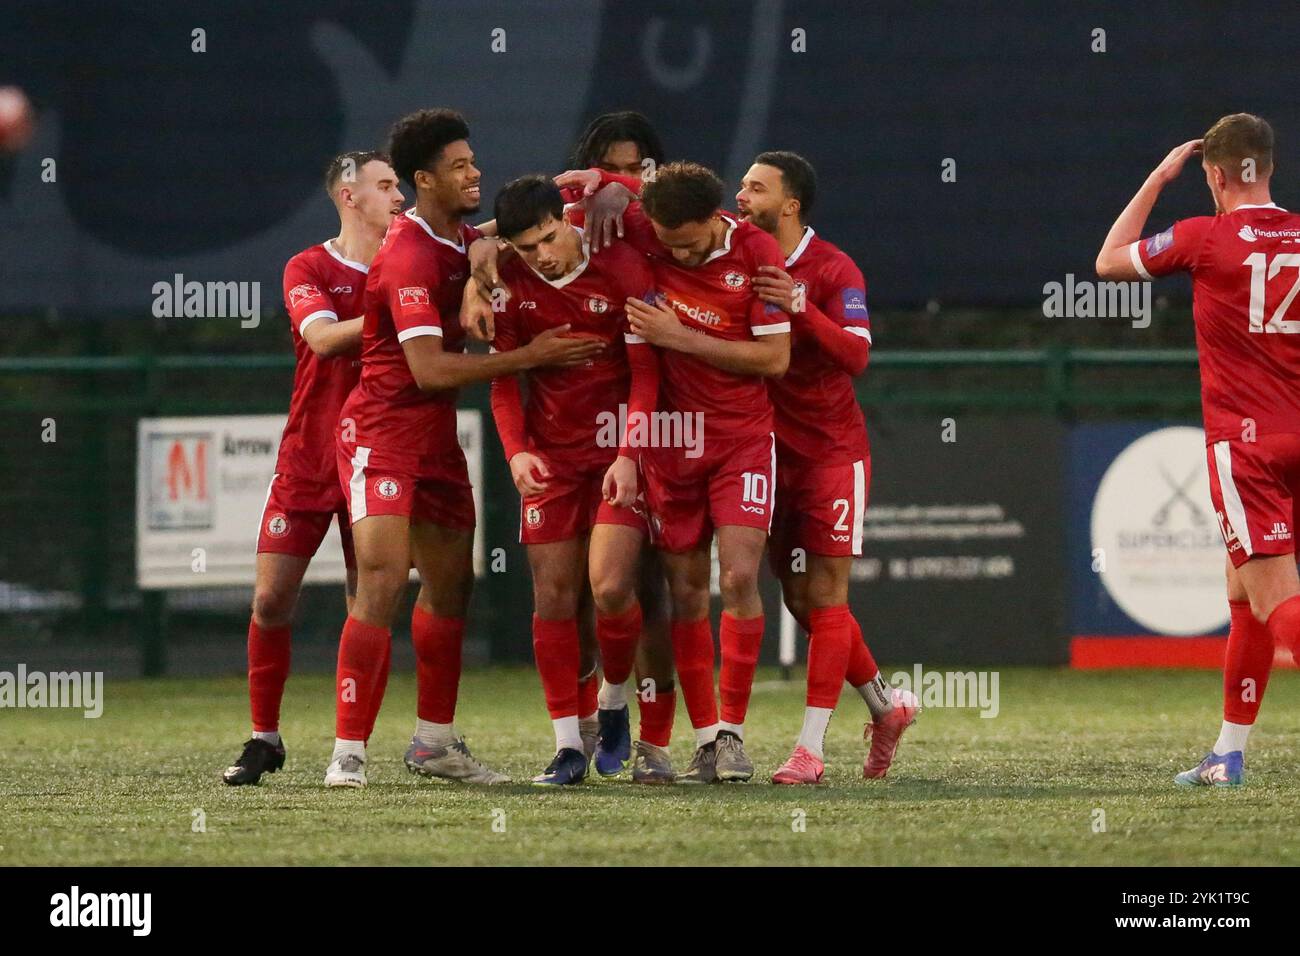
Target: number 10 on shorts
[{"x": 756, "y": 488}]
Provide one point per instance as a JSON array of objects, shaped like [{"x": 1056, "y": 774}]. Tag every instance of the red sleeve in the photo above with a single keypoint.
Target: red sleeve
[
  {"x": 765, "y": 318},
  {"x": 840, "y": 324},
  {"x": 409, "y": 285},
  {"x": 1174, "y": 250},
  {"x": 631, "y": 182},
  {"x": 507, "y": 397},
  {"x": 643, "y": 395},
  {"x": 305, "y": 297},
  {"x": 635, "y": 277}
]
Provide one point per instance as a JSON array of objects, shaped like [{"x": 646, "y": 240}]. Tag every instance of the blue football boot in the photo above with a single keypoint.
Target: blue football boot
[
  {"x": 615, "y": 747},
  {"x": 1216, "y": 770}
]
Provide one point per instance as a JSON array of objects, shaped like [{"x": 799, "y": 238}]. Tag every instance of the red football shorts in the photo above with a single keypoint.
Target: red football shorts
[
  {"x": 1255, "y": 487},
  {"x": 432, "y": 489},
  {"x": 572, "y": 503},
  {"x": 297, "y": 515},
  {"x": 732, "y": 483},
  {"x": 819, "y": 509}
]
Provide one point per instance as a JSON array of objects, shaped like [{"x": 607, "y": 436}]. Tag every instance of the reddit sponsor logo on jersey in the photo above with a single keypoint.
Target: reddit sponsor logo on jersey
[
  {"x": 697, "y": 313},
  {"x": 387, "y": 488},
  {"x": 597, "y": 305},
  {"x": 735, "y": 281},
  {"x": 412, "y": 296},
  {"x": 1247, "y": 233},
  {"x": 1160, "y": 242},
  {"x": 1279, "y": 532},
  {"x": 533, "y": 516},
  {"x": 301, "y": 293},
  {"x": 277, "y": 526}
]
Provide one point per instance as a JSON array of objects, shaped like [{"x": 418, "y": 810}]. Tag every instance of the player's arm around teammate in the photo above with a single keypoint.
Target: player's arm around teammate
[
  {"x": 324, "y": 290},
  {"x": 399, "y": 459}
]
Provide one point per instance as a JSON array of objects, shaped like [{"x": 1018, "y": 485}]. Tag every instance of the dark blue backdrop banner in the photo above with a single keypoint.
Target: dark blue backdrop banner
[{"x": 207, "y": 163}]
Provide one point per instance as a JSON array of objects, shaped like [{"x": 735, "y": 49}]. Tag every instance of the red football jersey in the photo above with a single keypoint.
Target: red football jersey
[
  {"x": 1245, "y": 270},
  {"x": 319, "y": 286},
  {"x": 563, "y": 403},
  {"x": 414, "y": 289},
  {"x": 715, "y": 298},
  {"x": 818, "y": 419}
]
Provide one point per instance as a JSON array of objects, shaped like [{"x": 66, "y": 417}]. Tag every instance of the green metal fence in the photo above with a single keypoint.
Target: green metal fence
[{"x": 67, "y": 566}]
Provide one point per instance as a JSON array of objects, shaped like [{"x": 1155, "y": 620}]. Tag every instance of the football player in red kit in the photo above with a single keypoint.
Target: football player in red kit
[
  {"x": 718, "y": 343},
  {"x": 575, "y": 474},
  {"x": 324, "y": 292},
  {"x": 401, "y": 466},
  {"x": 823, "y": 461},
  {"x": 1245, "y": 277}
]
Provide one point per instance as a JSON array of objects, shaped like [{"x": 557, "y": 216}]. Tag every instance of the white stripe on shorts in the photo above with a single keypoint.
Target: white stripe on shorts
[
  {"x": 1232, "y": 506},
  {"x": 771, "y": 505},
  {"x": 859, "y": 504},
  {"x": 270, "y": 486},
  {"x": 357, "y": 486}
]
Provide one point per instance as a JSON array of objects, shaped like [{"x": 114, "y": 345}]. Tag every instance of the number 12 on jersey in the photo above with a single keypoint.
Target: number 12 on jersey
[{"x": 1261, "y": 270}]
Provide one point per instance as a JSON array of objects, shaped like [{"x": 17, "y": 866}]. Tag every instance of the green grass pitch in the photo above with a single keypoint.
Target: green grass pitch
[{"x": 1023, "y": 788}]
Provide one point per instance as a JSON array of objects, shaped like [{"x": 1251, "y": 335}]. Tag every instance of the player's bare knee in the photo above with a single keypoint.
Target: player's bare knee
[
  {"x": 739, "y": 586},
  {"x": 273, "y": 608},
  {"x": 555, "y": 600},
  {"x": 825, "y": 593},
  {"x": 379, "y": 589},
  {"x": 613, "y": 594},
  {"x": 690, "y": 603}
]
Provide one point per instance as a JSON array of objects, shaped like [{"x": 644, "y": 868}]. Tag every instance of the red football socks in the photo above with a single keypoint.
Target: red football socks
[
  {"x": 438, "y": 642},
  {"x": 862, "y": 666},
  {"x": 361, "y": 655},
  {"x": 377, "y": 698},
  {"x": 555, "y": 646},
  {"x": 268, "y": 669},
  {"x": 740, "y": 641},
  {"x": 1284, "y": 625},
  {"x": 1246, "y": 666},
  {"x": 617, "y": 636},
  {"x": 829, "y": 647},
  {"x": 693, "y": 657},
  {"x": 657, "y": 717}
]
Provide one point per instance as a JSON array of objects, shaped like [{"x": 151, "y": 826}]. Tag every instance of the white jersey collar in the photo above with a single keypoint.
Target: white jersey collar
[
  {"x": 458, "y": 246},
  {"x": 803, "y": 244}
]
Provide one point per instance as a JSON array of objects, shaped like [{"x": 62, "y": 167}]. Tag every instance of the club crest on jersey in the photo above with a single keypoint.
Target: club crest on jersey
[
  {"x": 533, "y": 516},
  {"x": 1160, "y": 242},
  {"x": 412, "y": 295},
  {"x": 387, "y": 488},
  {"x": 597, "y": 304},
  {"x": 302, "y": 292},
  {"x": 277, "y": 526},
  {"x": 735, "y": 280}
]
